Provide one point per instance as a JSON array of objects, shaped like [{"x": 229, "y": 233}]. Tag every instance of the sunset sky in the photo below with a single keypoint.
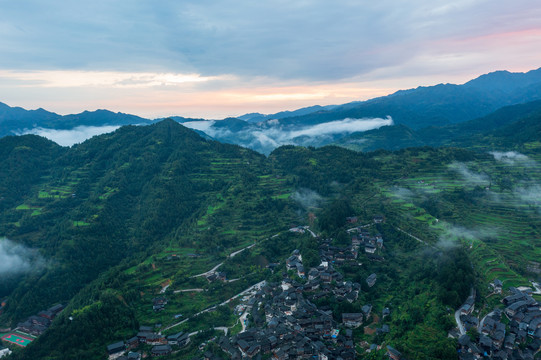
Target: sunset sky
[{"x": 215, "y": 59}]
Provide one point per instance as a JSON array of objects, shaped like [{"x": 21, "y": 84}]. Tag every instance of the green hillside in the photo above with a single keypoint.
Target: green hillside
[{"x": 129, "y": 216}]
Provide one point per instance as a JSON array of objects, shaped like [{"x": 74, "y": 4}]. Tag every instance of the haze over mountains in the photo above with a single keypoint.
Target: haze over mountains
[{"x": 360, "y": 125}]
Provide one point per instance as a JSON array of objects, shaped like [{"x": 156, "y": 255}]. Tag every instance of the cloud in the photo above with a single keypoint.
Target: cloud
[
  {"x": 470, "y": 177},
  {"x": 199, "y": 125},
  {"x": 342, "y": 126},
  {"x": 157, "y": 59},
  {"x": 114, "y": 79},
  {"x": 73, "y": 136},
  {"x": 18, "y": 259},
  {"x": 278, "y": 38},
  {"x": 453, "y": 233},
  {"x": 512, "y": 158},
  {"x": 529, "y": 195},
  {"x": 307, "y": 198},
  {"x": 270, "y": 135}
]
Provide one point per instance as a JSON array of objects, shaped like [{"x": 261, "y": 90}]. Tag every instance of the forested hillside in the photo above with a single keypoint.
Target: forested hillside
[{"x": 126, "y": 217}]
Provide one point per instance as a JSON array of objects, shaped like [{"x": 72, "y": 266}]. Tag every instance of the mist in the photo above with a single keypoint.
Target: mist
[
  {"x": 347, "y": 125},
  {"x": 17, "y": 259},
  {"x": 73, "y": 136},
  {"x": 449, "y": 238},
  {"x": 403, "y": 193},
  {"x": 512, "y": 158},
  {"x": 307, "y": 198},
  {"x": 470, "y": 177},
  {"x": 529, "y": 195},
  {"x": 266, "y": 136},
  {"x": 199, "y": 125}
]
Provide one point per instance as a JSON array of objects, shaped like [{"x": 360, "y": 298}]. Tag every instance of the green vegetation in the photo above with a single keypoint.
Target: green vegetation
[{"x": 129, "y": 216}]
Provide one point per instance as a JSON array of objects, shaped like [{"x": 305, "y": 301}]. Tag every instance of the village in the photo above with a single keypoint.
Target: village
[
  {"x": 281, "y": 319},
  {"x": 513, "y": 333},
  {"x": 286, "y": 319},
  {"x": 287, "y": 322},
  {"x": 293, "y": 318}
]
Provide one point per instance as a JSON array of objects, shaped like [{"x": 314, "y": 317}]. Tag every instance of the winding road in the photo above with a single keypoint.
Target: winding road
[
  {"x": 310, "y": 231},
  {"x": 206, "y": 273}
]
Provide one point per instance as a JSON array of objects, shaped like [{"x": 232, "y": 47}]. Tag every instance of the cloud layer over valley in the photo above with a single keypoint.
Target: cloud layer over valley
[
  {"x": 267, "y": 136},
  {"x": 73, "y": 136}
]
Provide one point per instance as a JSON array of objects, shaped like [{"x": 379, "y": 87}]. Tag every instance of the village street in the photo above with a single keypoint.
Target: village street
[{"x": 459, "y": 322}]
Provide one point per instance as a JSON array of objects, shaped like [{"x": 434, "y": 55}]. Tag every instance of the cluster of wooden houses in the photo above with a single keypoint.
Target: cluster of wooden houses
[
  {"x": 519, "y": 340},
  {"x": 37, "y": 324},
  {"x": 294, "y": 262},
  {"x": 161, "y": 344},
  {"x": 363, "y": 239},
  {"x": 289, "y": 326},
  {"x": 158, "y": 303}
]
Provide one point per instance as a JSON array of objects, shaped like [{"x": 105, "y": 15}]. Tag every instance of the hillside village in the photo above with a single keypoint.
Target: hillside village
[
  {"x": 293, "y": 319},
  {"x": 281, "y": 319},
  {"x": 511, "y": 334},
  {"x": 286, "y": 319}
]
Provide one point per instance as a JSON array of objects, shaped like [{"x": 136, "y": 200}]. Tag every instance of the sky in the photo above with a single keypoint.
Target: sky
[{"x": 214, "y": 59}]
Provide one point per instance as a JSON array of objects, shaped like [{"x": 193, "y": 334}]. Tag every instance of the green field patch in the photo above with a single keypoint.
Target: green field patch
[
  {"x": 408, "y": 205},
  {"x": 424, "y": 217},
  {"x": 131, "y": 271},
  {"x": 36, "y": 212},
  {"x": 80, "y": 223}
]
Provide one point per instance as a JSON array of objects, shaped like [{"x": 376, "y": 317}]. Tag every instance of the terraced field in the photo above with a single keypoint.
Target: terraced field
[{"x": 495, "y": 208}]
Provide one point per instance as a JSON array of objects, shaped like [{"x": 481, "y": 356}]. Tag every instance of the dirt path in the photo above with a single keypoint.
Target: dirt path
[
  {"x": 416, "y": 238},
  {"x": 188, "y": 290}
]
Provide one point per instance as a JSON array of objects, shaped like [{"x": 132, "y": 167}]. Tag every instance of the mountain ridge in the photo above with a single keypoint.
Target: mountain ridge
[{"x": 418, "y": 108}]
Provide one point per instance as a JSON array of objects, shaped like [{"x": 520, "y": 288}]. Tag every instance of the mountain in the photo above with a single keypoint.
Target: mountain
[
  {"x": 440, "y": 104},
  {"x": 505, "y": 81},
  {"x": 14, "y": 120},
  {"x": 437, "y": 107},
  {"x": 257, "y": 117},
  {"x": 421, "y": 108},
  {"x": 511, "y": 122}
]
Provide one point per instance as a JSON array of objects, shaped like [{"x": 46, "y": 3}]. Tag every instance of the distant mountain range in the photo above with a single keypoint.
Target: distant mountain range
[
  {"x": 419, "y": 117},
  {"x": 504, "y": 128},
  {"x": 15, "y": 120}
]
